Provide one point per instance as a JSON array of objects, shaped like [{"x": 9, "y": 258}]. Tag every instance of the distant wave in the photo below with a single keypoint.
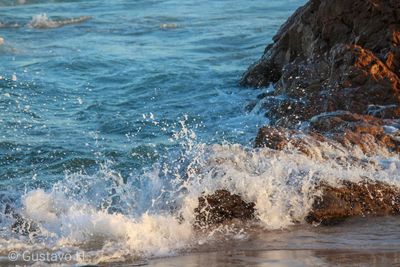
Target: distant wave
[
  {"x": 12, "y": 2},
  {"x": 166, "y": 26},
  {"x": 8, "y": 25},
  {"x": 43, "y": 22}
]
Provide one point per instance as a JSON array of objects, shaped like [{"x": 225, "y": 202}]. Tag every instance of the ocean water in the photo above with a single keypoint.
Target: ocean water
[{"x": 115, "y": 116}]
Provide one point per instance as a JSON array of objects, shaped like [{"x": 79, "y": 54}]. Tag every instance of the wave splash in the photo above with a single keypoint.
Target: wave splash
[
  {"x": 152, "y": 214},
  {"x": 41, "y": 21}
]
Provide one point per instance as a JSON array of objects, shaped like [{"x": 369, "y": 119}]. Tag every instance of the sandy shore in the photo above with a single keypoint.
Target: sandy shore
[
  {"x": 357, "y": 242},
  {"x": 281, "y": 258}
]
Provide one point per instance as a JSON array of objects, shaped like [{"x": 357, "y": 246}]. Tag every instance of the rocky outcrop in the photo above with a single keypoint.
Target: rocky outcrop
[
  {"x": 354, "y": 199},
  {"x": 342, "y": 129},
  {"x": 221, "y": 207},
  {"x": 333, "y": 55},
  {"x": 331, "y": 204},
  {"x": 335, "y": 69}
]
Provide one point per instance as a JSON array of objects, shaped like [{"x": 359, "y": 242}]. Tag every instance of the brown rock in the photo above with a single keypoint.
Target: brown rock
[
  {"x": 335, "y": 67},
  {"x": 366, "y": 132},
  {"x": 337, "y": 129},
  {"x": 354, "y": 199},
  {"x": 331, "y": 206},
  {"x": 333, "y": 55},
  {"x": 220, "y": 207},
  {"x": 278, "y": 138},
  {"x": 273, "y": 137}
]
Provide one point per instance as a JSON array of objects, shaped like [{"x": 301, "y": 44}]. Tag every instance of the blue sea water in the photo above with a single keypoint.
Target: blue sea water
[
  {"x": 84, "y": 93},
  {"x": 116, "y": 115}
]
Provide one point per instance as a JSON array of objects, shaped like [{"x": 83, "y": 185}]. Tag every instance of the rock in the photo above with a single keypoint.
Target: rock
[
  {"x": 279, "y": 138},
  {"x": 390, "y": 111},
  {"x": 364, "y": 131},
  {"x": 221, "y": 207},
  {"x": 334, "y": 55},
  {"x": 335, "y": 68},
  {"x": 354, "y": 199},
  {"x": 331, "y": 205},
  {"x": 344, "y": 129},
  {"x": 21, "y": 225}
]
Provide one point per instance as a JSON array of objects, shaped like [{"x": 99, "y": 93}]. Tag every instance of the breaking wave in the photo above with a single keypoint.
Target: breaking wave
[
  {"x": 125, "y": 219},
  {"x": 43, "y": 22}
]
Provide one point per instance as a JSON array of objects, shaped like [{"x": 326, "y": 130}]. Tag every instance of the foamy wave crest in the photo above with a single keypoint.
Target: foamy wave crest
[
  {"x": 152, "y": 214},
  {"x": 68, "y": 223},
  {"x": 43, "y": 22}
]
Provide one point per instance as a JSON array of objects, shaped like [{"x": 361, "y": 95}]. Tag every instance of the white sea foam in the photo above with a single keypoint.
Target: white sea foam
[
  {"x": 41, "y": 21},
  {"x": 70, "y": 223},
  {"x": 151, "y": 215},
  {"x": 166, "y": 26}
]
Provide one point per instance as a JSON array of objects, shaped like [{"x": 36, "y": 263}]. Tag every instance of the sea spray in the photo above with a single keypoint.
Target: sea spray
[{"x": 152, "y": 214}]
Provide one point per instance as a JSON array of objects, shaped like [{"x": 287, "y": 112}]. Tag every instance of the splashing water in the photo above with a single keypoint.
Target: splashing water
[
  {"x": 152, "y": 214},
  {"x": 95, "y": 154}
]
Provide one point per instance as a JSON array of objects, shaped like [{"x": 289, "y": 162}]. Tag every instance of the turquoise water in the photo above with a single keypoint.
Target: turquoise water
[
  {"x": 115, "y": 116},
  {"x": 90, "y": 107},
  {"x": 82, "y": 90}
]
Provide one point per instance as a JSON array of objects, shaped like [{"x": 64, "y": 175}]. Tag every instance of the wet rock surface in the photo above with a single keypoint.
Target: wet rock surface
[
  {"x": 20, "y": 224},
  {"x": 335, "y": 69},
  {"x": 344, "y": 129},
  {"x": 354, "y": 199},
  {"x": 333, "y": 55},
  {"x": 331, "y": 205},
  {"x": 221, "y": 207}
]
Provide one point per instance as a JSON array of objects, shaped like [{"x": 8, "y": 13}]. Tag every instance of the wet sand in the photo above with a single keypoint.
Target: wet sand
[
  {"x": 283, "y": 258},
  {"x": 357, "y": 242}
]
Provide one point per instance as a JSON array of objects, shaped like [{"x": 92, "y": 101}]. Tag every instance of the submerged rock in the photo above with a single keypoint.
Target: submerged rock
[
  {"x": 20, "y": 224},
  {"x": 221, "y": 207},
  {"x": 354, "y": 199}
]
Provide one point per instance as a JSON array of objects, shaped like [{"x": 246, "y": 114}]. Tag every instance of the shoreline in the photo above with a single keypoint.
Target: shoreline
[
  {"x": 282, "y": 258},
  {"x": 293, "y": 247}
]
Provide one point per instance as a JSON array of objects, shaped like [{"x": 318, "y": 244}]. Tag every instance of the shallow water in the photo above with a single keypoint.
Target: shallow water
[{"x": 115, "y": 117}]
